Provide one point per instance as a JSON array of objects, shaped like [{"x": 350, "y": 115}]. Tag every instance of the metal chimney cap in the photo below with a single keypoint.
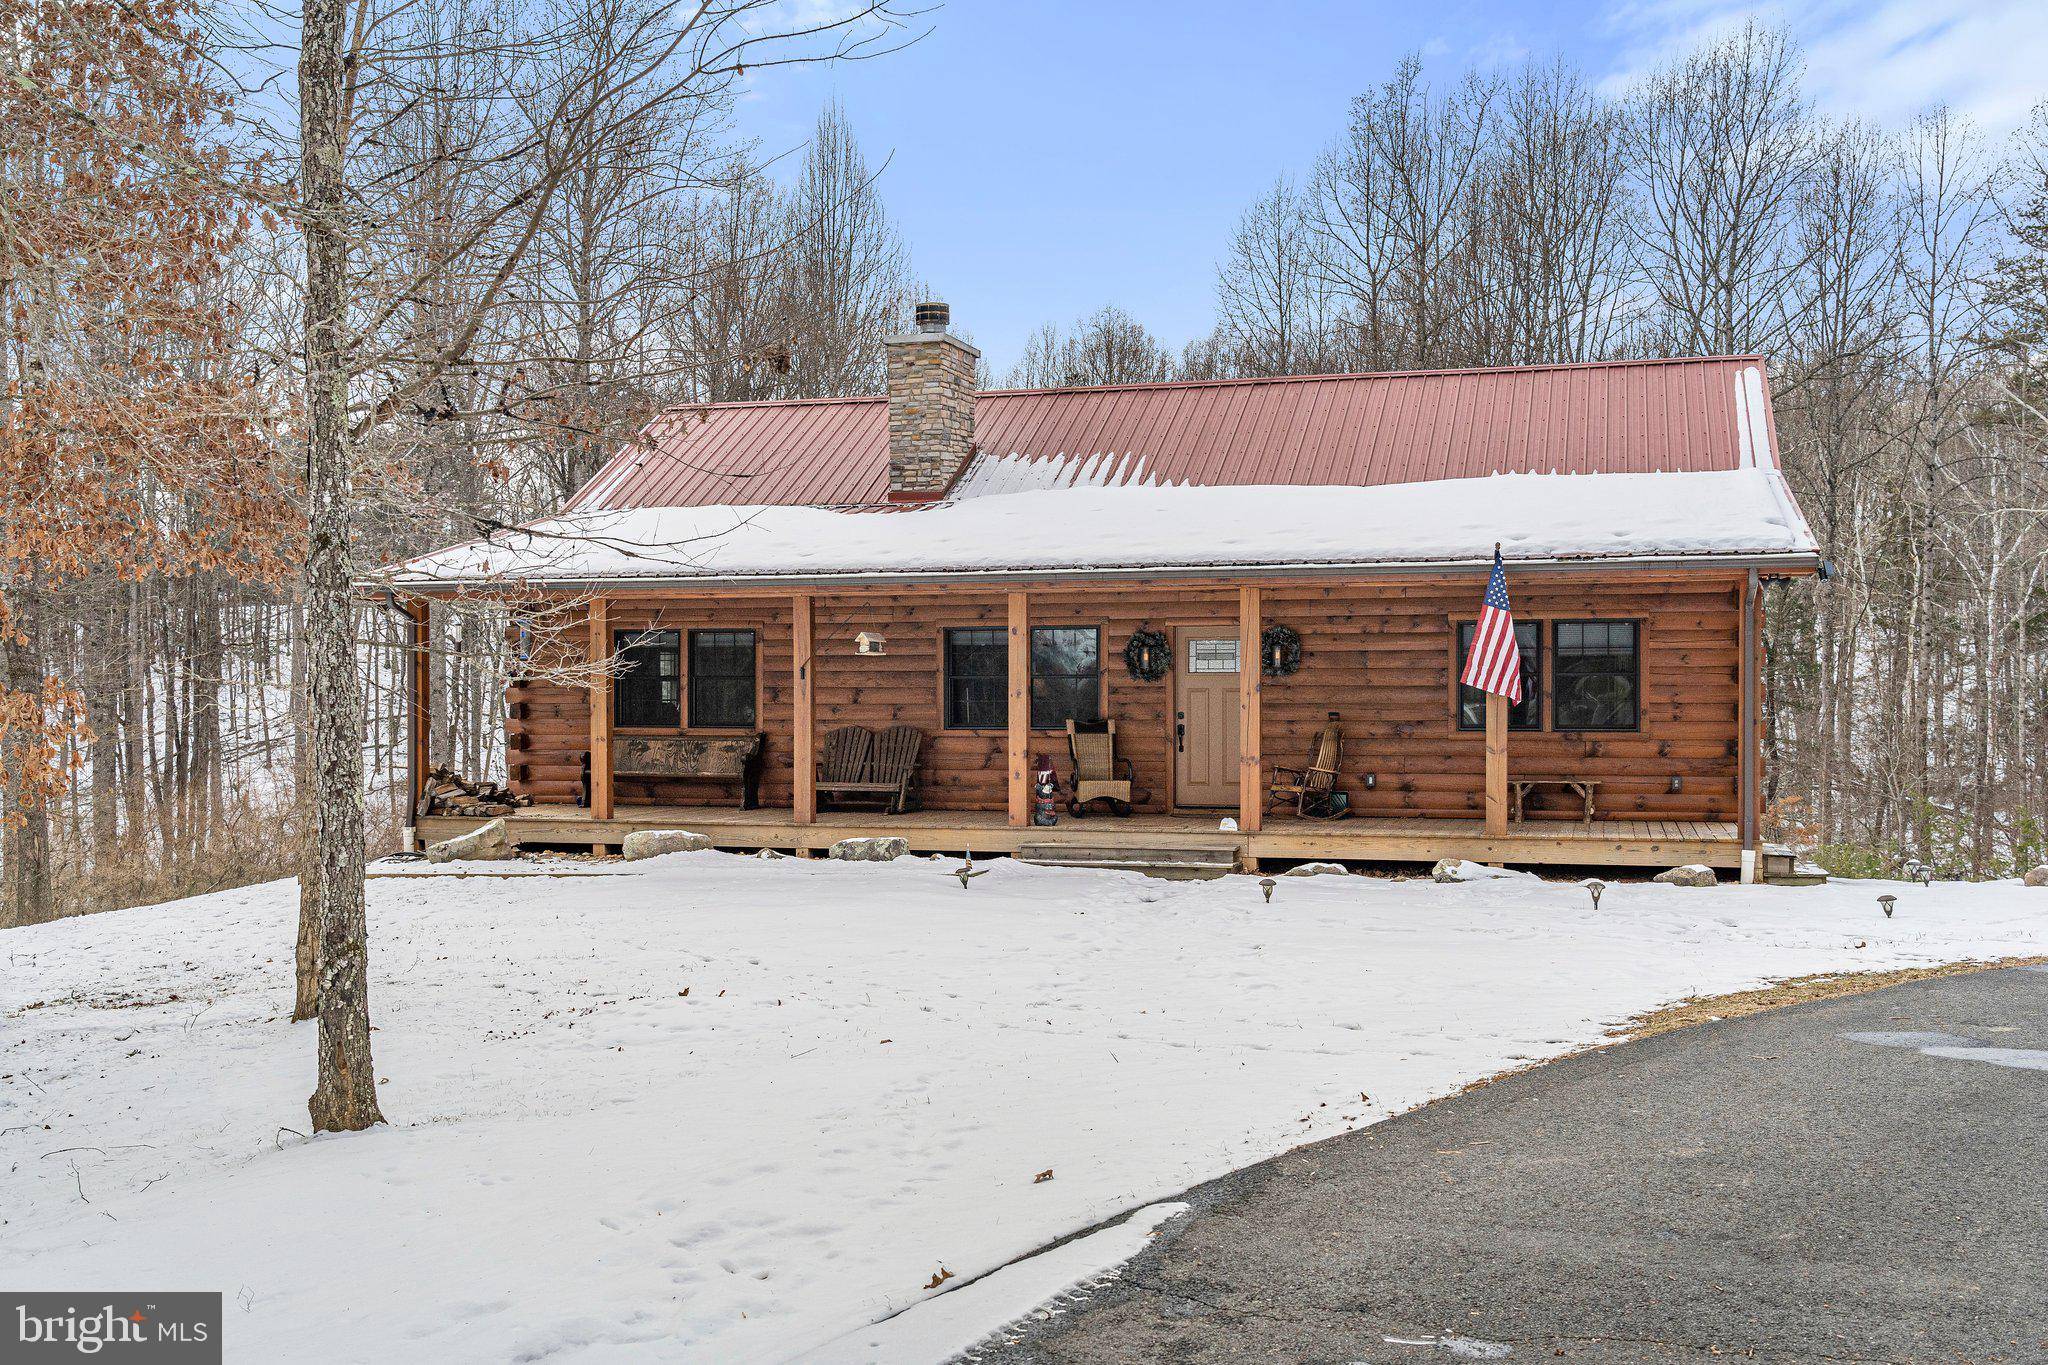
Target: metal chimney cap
[{"x": 933, "y": 317}]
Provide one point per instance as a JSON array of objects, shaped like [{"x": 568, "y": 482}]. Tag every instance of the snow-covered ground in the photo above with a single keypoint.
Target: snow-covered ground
[{"x": 722, "y": 1108}]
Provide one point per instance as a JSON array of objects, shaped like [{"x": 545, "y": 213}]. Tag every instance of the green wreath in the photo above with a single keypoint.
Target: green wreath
[
  {"x": 1148, "y": 655},
  {"x": 1279, "y": 651}
]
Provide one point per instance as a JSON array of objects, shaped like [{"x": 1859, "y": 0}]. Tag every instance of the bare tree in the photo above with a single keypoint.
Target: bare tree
[
  {"x": 597, "y": 336},
  {"x": 1396, "y": 206},
  {"x": 1719, "y": 146},
  {"x": 1275, "y": 310},
  {"x": 847, "y": 270},
  {"x": 1109, "y": 346},
  {"x": 1554, "y": 223},
  {"x": 370, "y": 373},
  {"x": 734, "y": 326},
  {"x": 1840, "y": 379}
]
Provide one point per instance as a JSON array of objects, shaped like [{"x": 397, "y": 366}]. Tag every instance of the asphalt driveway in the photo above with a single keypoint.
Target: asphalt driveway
[{"x": 1862, "y": 1179}]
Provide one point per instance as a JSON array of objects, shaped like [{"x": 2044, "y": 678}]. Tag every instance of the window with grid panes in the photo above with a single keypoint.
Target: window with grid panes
[
  {"x": 722, "y": 679},
  {"x": 977, "y": 678}
]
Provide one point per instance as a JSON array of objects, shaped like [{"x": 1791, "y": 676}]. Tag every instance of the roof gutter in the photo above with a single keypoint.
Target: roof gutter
[{"x": 1782, "y": 564}]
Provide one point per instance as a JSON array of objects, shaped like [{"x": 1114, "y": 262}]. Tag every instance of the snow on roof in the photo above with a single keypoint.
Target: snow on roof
[{"x": 1535, "y": 517}]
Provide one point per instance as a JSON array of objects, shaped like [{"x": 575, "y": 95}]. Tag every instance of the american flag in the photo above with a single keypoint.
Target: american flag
[{"x": 1494, "y": 663}]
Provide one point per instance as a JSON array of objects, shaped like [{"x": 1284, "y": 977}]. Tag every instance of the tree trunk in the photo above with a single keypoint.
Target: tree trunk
[
  {"x": 346, "y": 1096},
  {"x": 103, "y": 671},
  {"x": 306, "y": 953},
  {"x": 29, "y": 895},
  {"x": 135, "y": 717}
]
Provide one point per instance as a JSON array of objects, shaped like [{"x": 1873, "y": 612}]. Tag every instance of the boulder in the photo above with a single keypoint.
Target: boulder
[
  {"x": 1692, "y": 874},
  {"x": 485, "y": 843},
  {"x": 876, "y": 850},
  {"x": 1462, "y": 870},
  {"x": 2036, "y": 876},
  {"x": 770, "y": 854},
  {"x": 652, "y": 843},
  {"x": 1317, "y": 870}
]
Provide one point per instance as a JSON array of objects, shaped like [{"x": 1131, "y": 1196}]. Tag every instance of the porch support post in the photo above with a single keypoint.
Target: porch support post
[
  {"x": 1496, "y": 765},
  {"x": 803, "y": 801},
  {"x": 1020, "y": 710},
  {"x": 600, "y": 710},
  {"x": 1749, "y": 755},
  {"x": 1251, "y": 801},
  {"x": 416, "y": 693}
]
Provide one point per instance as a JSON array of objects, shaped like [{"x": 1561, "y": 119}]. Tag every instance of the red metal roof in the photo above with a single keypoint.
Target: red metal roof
[{"x": 1612, "y": 417}]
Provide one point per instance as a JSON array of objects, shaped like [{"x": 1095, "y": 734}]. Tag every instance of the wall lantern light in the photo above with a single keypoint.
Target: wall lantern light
[
  {"x": 1279, "y": 651},
  {"x": 1147, "y": 654},
  {"x": 869, "y": 643}
]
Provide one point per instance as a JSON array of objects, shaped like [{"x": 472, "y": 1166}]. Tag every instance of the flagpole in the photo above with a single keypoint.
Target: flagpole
[
  {"x": 1496, "y": 758},
  {"x": 1496, "y": 765}
]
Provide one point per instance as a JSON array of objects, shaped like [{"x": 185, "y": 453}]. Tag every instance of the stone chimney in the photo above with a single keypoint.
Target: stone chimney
[{"x": 931, "y": 407}]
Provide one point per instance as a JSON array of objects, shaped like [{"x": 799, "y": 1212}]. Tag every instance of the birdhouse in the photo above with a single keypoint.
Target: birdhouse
[{"x": 869, "y": 643}]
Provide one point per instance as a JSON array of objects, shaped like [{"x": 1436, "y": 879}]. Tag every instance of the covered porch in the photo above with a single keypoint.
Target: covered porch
[
  {"x": 1616, "y": 843},
  {"x": 1676, "y": 785}
]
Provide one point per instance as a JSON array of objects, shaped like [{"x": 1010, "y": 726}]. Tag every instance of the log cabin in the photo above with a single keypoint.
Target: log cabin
[{"x": 1233, "y": 573}]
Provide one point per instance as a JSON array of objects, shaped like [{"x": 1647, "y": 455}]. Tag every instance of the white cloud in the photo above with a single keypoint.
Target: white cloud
[
  {"x": 1499, "y": 49},
  {"x": 1886, "y": 60}
]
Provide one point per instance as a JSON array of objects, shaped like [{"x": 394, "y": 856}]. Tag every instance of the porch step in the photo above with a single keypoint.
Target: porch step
[
  {"x": 1802, "y": 874},
  {"x": 1186, "y": 862}
]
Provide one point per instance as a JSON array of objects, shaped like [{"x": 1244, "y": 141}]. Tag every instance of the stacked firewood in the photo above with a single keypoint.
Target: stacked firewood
[{"x": 450, "y": 793}]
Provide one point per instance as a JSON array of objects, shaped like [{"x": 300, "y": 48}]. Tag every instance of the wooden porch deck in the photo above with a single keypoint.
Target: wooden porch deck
[{"x": 1598, "y": 843}]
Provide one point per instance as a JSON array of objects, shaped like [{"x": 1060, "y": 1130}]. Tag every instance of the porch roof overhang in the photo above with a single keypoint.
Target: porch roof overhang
[{"x": 1735, "y": 520}]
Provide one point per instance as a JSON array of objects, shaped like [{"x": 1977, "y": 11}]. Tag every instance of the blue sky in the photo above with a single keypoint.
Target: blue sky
[{"x": 1050, "y": 156}]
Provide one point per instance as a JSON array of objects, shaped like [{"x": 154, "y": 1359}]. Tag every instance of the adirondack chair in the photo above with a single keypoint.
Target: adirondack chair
[
  {"x": 844, "y": 757},
  {"x": 858, "y": 765},
  {"x": 1092, "y": 746},
  {"x": 894, "y": 764},
  {"x": 843, "y": 764},
  {"x": 1314, "y": 789}
]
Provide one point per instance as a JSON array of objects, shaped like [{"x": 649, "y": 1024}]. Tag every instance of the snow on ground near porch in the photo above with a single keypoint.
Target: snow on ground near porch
[
  {"x": 722, "y": 1108},
  {"x": 1533, "y": 516}
]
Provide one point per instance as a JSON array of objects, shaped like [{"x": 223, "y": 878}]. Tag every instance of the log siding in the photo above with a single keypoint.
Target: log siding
[{"x": 1378, "y": 651}]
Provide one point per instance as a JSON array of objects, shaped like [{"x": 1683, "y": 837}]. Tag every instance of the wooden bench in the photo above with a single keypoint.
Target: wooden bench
[
  {"x": 691, "y": 758},
  {"x": 858, "y": 765},
  {"x": 1520, "y": 787}
]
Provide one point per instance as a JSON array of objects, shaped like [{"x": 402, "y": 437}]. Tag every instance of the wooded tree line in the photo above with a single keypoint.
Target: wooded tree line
[{"x": 548, "y": 227}]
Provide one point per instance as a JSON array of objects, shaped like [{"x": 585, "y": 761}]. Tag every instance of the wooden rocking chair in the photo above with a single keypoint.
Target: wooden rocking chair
[
  {"x": 1092, "y": 746},
  {"x": 1314, "y": 789}
]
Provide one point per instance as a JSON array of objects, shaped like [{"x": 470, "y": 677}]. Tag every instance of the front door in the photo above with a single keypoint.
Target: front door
[{"x": 1205, "y": 716}]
